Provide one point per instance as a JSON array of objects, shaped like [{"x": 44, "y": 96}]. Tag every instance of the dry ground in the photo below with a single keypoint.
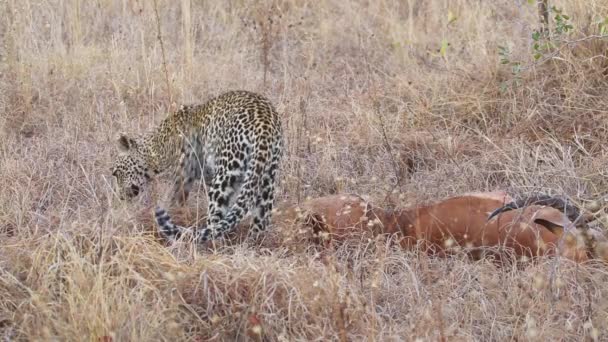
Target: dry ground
[{"x": 370, "y": 106}]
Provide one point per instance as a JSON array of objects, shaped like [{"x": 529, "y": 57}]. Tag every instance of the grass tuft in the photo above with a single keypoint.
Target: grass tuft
[{"x": 401, "y": 102}]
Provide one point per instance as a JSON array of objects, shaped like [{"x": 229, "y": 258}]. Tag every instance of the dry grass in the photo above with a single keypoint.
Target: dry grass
[{"x": 368, "y": 102}]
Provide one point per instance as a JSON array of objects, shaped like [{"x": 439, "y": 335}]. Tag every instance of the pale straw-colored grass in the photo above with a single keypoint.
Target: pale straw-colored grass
[{"x": 369, "y": 106}]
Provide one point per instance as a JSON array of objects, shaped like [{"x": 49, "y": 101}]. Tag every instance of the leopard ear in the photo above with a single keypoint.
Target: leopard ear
[{"x": 125, "y": 143}]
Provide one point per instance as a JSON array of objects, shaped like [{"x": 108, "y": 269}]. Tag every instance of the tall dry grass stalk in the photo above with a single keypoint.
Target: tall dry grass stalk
[
  {"x": 187, "y": 37},
  {"x": 76, "y": 263},
  {"x": 164, "y": 55}
]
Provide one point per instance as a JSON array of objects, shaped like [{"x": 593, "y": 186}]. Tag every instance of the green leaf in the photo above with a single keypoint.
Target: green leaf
[
  {"x": 536, "y": 35},
  {"x": 516, "y": 68},
  {"x": 517, "y": 81},
  {"x": 451, "y": 17},
  {"x": 531, "y": 2},
  {"x": 503, "y": 86},
  {"x": 537, "y": 56},
  {"x": 444, "y": 47}
]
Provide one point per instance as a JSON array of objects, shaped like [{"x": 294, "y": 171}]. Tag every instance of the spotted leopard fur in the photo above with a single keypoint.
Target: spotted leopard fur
[{"x": 233, "y": 142}]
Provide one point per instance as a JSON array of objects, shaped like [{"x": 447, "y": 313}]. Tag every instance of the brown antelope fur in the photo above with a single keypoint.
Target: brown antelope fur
[
  {"x": 440, "y": 228},
  {"x": 461, "y": 221}
]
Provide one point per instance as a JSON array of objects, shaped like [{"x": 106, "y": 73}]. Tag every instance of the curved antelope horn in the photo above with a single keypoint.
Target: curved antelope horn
[{"x": 567, "y": 207}]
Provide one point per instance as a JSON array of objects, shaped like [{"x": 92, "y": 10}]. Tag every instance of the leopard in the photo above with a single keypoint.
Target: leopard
[{"x": 232, "y": 143}]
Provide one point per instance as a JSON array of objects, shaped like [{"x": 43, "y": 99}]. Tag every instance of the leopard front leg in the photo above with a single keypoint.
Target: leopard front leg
[
  {"x": 187, "y": 172},
  {"x": 181, "y": 189}
]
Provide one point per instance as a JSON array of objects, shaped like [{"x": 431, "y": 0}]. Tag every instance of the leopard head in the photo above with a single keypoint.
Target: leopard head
[{"x": 130, "y": 169}]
